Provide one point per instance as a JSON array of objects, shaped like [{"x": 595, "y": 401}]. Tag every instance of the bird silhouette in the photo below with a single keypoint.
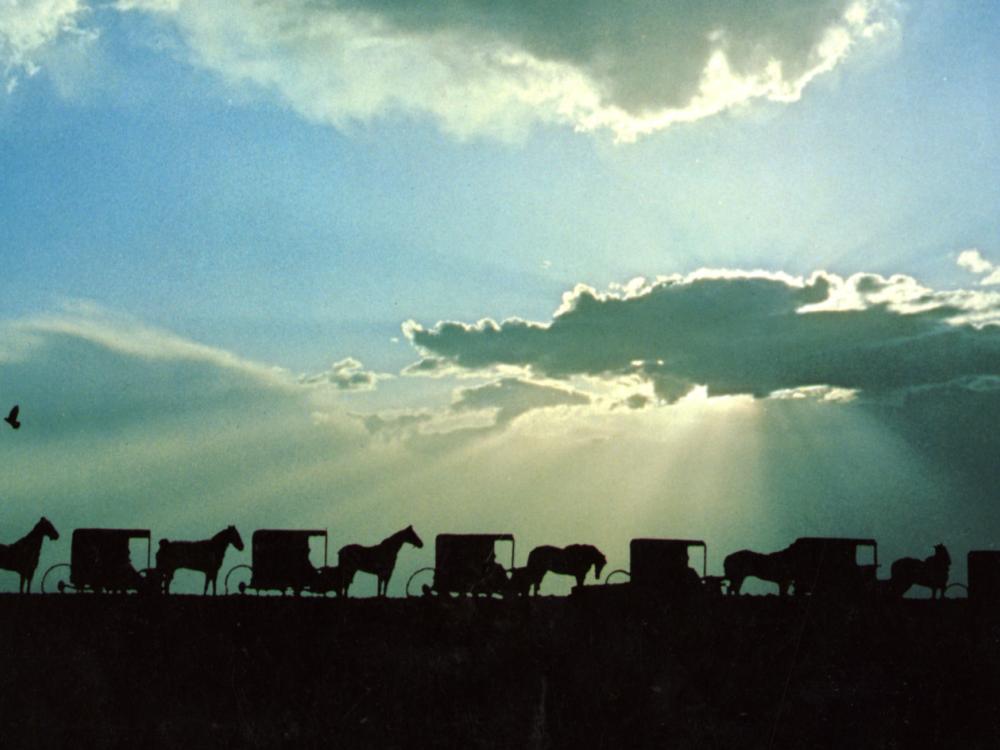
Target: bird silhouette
[{"x": 11, "y": 418}]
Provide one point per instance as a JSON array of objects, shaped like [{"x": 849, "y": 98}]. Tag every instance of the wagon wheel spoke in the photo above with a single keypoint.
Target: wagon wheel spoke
[
  {"x": 417, "y": 590},
  {"x": 53, "y": 578},
  {"x": 619, "y": 571},
  {"x": 242, "y": 584}
]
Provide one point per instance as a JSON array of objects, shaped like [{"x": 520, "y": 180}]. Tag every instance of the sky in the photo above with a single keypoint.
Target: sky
[{"x": 580, "y": 273}]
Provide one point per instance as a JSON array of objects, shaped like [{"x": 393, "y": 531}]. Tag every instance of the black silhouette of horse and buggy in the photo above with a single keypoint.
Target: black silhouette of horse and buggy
[
  {"x": 280, "y": 562},
  {"x": 468, "y": 565},
  {"x": 101, "y": 561}
]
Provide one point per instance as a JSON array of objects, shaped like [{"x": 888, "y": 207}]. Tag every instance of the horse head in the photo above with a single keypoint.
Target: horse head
[
  {"x": 234, "y": 538},
  {"x": 941, "y": 552},
  {"x": 409, "y": 535},
  {"x": 599, "y": 561},
  {"x": 45, "y": 527}
]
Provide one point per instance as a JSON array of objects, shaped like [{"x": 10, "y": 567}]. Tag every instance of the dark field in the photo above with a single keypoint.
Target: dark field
[{"x": 86, "y": 670}]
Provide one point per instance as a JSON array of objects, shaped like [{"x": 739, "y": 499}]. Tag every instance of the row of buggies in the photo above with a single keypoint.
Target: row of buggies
[
  {"x": 101, "y": 561},
  {"x": 464, "y": 564}
]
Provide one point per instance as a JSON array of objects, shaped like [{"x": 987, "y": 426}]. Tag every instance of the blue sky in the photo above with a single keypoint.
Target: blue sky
[{"x": 251, "y": 196}]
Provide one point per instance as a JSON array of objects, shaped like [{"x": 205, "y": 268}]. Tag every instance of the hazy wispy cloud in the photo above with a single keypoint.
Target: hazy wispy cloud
[
  {"x": 84, "y": 320},
  {"x": 738, "y": 332},
  {"x": 495, "y": 68},
  {"x": 511, "y": 397},
  {"x": 28, "y": 27}
]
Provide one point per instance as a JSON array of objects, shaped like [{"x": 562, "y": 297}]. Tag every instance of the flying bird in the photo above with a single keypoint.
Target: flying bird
[{"x": 11, "y": 418}]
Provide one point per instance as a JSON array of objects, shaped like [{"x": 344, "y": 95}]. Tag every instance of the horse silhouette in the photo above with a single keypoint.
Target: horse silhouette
[
  {"x": 776, "y": 567},
  {"x": 574, "y": 560},
  {"x": 22, "y": 555},
  {"x": 379, "y": 560},
  {"x": 205, "y": 556},
  {"x": 931, "y": 572}
]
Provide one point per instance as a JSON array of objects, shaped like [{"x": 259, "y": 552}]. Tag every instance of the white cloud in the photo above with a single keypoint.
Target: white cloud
[
  {"x": 28, "y": 27},
  {"x": 973, "y": 260},
  {"x": 496, "y": 68},
  {"x": 346, "y": 375}
]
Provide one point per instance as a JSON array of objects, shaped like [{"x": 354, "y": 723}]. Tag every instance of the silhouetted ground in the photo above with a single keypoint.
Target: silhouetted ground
[{"x": 85, "y": 670}]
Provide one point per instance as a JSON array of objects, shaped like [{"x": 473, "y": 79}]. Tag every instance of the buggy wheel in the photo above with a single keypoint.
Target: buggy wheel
[
  {"x": 422, "y": 589},
  {"x": 242, "y": 584},
  {"x": 607, "y": 578},
  {"x": 56, "y": 580},
  {"x": 956, "y": 585}
]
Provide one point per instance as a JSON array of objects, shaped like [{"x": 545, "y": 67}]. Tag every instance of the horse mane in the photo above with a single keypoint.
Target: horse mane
[{"x": 216, "y": 537}]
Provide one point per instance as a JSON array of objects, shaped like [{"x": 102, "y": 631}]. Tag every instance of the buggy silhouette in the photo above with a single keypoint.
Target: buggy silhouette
[
  {"x": 659, "y": 567},
  {"x": 100, "y": 562},
  {"x": 280, "y": 562},
  {"x": 466, "y": 565},
  {"x": 983, "y": 570},
  {"x": 829, "y": 566}
]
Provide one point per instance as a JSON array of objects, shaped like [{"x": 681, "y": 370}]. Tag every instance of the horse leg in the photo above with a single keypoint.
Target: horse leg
[{"x": 346, "y": 579}]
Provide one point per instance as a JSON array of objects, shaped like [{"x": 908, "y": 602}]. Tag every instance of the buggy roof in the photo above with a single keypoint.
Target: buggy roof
[
  {"x": 266, "y": 535},
  {"x": 667, "y": 542},
  {"x": 98, "y": 535},
  {"x": 472, "y": 538},
  {"x": 834, "y": 540}
]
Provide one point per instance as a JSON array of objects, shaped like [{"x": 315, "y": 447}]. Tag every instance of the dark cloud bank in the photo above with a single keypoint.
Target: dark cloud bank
[{"x": 744, "y": 335}]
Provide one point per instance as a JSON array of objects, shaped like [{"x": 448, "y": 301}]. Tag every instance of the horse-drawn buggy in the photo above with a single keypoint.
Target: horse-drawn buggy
[
  {"x": 100, "y": 561},
  {"x": 659, "y": 569},
  {"x": 280, "y": 562},
  {"x": 834, "y": 566},
  {"x": 466, "y": 565}
]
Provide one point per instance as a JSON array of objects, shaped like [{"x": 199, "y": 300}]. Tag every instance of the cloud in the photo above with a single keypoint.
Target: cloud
[
  {"x": 346, "y": 375},
  {"x": 429, "y": 367},
  {"x": 80, "y": 319},
  {"x": 495, "y": 68},
  {"x": 29, "y": 27},
  {"x": 743, "y": 333},
  {"x": 973, "y": 260},
  {"x": 512, "y": 397}
]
